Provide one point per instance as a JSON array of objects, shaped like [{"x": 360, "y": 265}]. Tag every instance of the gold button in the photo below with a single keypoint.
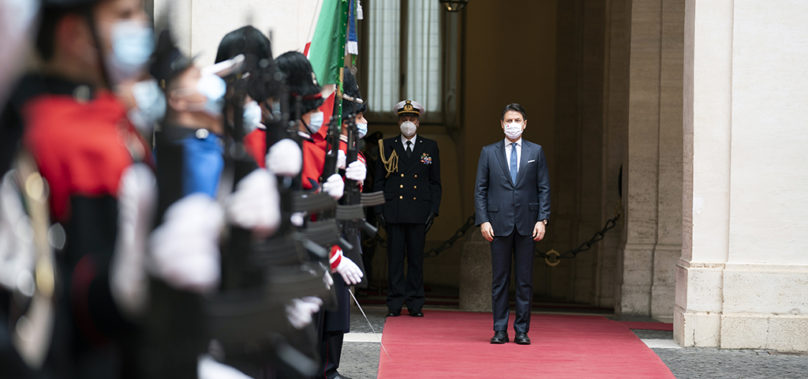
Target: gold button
[
  {"x": 402, "y": 175},
  {"x": 413, "y": 197},
  {"x": 401, "y": 197},
  {"x": 400, "y": 186},
  {"x": 414, "y": 187},
  {"x": 416, "y": 175}
]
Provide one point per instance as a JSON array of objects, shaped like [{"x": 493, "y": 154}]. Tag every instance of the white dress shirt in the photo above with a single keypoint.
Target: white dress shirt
[
  {"x": 405, "y": 139},
  {"x": 518, "y": 153}
]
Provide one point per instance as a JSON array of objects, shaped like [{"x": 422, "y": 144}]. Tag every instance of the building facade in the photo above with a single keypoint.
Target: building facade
[{"x": 686, "y": 116}]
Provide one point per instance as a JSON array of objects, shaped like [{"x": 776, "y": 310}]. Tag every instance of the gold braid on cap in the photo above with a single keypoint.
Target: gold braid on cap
[{"x": 391, "y": 164}]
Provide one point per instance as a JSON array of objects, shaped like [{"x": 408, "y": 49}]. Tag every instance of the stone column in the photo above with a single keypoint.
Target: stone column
[
  {"x": 615, "y": 115},
  {"x": 654, "y": 171},
  {"x": 669, "y": 202},
  {"x": 742, "y": 281},
  {"x": 643, "y": 156}
]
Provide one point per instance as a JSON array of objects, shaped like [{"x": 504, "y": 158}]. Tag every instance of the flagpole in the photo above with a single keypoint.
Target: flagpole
[{"x": 342, "y": 30}]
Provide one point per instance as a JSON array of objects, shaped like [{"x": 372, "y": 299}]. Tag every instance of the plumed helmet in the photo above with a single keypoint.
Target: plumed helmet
[
  {"x": 168, "y": 61},
  {"x": 68, "y": 3},
  {"x": 352, "y": 102},
  {"x": 262, "y": 82},
  {"x": 300, "y": 81}
]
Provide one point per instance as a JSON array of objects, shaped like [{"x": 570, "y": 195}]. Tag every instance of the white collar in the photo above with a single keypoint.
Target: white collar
[
  {"x": 405, "y": 139},
  {"x": 518, "y": 142}
]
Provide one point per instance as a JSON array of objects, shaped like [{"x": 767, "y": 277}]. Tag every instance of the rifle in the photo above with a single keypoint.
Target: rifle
[{"x": 350, "y": 213}]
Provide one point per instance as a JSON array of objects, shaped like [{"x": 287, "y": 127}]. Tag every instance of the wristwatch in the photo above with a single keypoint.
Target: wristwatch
[{"x": 544, "y": 221}]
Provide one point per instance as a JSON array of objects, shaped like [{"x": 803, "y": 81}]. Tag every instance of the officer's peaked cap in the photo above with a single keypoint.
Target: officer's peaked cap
[{"x": 409, "y": 107}]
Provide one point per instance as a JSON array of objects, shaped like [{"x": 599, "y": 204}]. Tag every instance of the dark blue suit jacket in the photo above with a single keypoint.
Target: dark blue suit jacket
[{"x": 506, "y": 204}]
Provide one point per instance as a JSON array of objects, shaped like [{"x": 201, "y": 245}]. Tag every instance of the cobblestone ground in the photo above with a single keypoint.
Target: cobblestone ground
[{"x": 360, "y": 360}]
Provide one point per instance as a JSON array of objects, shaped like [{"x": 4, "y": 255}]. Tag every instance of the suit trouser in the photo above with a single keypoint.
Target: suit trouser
[
  {"x": 405, "y": 239},
  {"x": 502, "y": 250}
]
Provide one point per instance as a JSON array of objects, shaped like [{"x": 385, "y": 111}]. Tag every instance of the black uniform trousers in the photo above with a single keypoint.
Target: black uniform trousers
[
  {"x": 503, "y": 249},
  {"x": 405, "y": 240}
]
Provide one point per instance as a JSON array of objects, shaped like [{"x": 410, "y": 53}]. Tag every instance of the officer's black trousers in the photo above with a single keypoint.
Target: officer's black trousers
[{"x": 405, "y": 239}]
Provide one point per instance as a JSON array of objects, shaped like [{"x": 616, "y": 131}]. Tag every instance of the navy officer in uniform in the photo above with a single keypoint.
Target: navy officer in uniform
[{"x": 408, "y": 172}]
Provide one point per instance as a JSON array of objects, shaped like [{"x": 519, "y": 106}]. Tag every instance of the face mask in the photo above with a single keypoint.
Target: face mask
[
  {"x": 132, "y": 45},
  {"x": 252, "y": 116},
  {"x": 150, "y": 105},
  {"x": 214, "y": 88},
  {"x": 315, "y": 122},
  {"x": 408, "y": 128},
  {"x": 362, "y": 129},
  {"x": 513, "y": 130}
]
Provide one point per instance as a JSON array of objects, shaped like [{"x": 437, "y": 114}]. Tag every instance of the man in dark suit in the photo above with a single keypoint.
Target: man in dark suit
[
  {"x": 408, "y": 171},
  {"x": 512, "y": 205}
]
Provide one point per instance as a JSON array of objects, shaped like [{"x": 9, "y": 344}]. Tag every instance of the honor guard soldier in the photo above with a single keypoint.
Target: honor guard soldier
[
  {"x": 96, "y": 166},
  {"x": 408, "y": 171}
]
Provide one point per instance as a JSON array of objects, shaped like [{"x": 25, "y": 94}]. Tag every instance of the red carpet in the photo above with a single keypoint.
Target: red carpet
[{"x": 455, "y": 345}]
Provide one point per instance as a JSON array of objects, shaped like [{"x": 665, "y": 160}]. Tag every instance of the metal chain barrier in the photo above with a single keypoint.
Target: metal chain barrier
[
  {"x": 458, "y": 234},
  {"x": 435, "y": 251},
  {"x": 553, "y": 258}
]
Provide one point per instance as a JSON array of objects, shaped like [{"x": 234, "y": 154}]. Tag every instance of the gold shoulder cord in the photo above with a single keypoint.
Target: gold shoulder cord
[
  {"x": 391, "y": 164},
  {"x": 33, "y": 341}
]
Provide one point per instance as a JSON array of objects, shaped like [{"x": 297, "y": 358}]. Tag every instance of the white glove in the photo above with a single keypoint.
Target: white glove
[
  {"x": 299, "y": 311},
  {"x": 334, "y": 186},
  {"x": 137, "y": 197},
  {"x": 328, "y": 280},
  {"x": 350, "y": 272},
  {"x": 209, "y": 368},
  {"x": 17, "y": 251},
  {"x": 356, "y": 171},
  {"x": 255, "y": 204},
  {"x": 297, "y": 218},
  {"x": 340, "y": 159},
  {"x": 284, "y": 158},
  {"x": 185, "y": 248}
]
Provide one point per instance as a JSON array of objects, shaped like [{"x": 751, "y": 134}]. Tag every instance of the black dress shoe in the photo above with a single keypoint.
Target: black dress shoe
[
  {"x": 521, "y": 339},
  {"x": 499, "y": 337},
  {"x": 393, "y": 314},
  {"x": 417, "y": 314}
]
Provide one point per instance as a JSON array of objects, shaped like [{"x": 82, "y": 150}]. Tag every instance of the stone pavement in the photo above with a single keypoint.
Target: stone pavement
[{"x": 360, "y": 354}]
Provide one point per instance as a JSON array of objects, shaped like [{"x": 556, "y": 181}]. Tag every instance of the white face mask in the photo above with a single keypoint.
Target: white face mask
[
  {"x": 513, "y": 130},
  {"x": 408, "y": 129},
  {"x": 362, "y": 129},
  {"x": 132, "y": 45},
  {"x": 315, "y": 122},
  {"x": 252, "y": 116},
  {"x": 150, "y": 105},
  {"x": 214, "y": 88}
]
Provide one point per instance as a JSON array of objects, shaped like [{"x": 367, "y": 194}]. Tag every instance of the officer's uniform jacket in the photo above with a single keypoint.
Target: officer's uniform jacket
[{"x": 412, "y": 191}]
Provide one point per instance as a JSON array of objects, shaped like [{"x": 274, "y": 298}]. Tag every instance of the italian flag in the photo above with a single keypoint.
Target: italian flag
[{"x": 327, "y": 51}]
